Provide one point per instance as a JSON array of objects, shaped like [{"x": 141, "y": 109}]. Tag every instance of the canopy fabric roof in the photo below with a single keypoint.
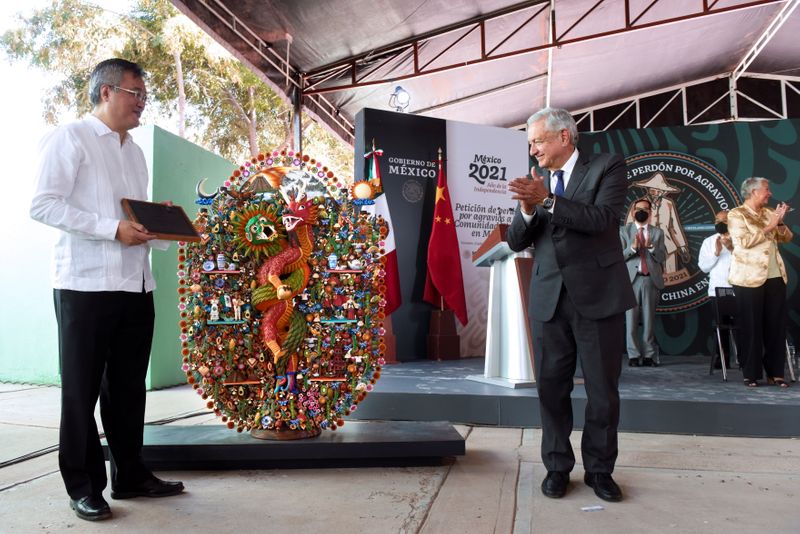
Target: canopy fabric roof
[{"x": 487, "y": 61}]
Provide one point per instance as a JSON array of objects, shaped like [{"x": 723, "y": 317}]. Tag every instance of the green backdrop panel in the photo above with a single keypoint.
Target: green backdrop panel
[
  {"x": 708, "y": 164},
  {"x": 176, "y": 166}
]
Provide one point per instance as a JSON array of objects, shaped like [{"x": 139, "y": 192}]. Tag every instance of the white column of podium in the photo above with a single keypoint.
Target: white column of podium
[{"x": 508, "y": 355}]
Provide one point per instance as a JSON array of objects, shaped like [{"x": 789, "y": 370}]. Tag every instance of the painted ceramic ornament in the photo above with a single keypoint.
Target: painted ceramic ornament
[{"x": 288, "y": 340}]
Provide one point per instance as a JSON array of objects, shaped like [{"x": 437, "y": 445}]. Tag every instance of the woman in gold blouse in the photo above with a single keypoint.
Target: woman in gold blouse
[{"x": 758, "y": 277}]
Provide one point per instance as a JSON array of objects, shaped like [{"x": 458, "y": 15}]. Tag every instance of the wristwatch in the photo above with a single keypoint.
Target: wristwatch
[{"x": 548, "y": 202}]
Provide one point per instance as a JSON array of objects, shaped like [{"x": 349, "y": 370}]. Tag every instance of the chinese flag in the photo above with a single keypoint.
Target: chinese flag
[{"x": 444, "y": 285}]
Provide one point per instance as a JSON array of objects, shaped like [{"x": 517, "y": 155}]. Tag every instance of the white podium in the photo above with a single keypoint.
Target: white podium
[{"x": 509, "y": 346}]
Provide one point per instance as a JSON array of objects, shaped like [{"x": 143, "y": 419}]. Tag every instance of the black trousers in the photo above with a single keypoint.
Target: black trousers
[
  {"x": 558, "y": 344},
  {"x": 762, "y": 328},
  {"x": 104, "y": 349}
]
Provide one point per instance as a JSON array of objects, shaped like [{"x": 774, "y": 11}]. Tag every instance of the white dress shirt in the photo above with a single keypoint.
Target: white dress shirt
[
  {"x": 568, "y": 167},
  {"x": 82, "y": 175},
  {"x": 717, "y": 267}
]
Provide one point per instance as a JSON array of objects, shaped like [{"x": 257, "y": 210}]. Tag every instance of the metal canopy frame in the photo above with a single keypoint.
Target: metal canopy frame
[
  {"x": 586, "y": 118},
  {"x": 788, "y": 84},
  {"x": 241, "y": 36},
  {"x": 764, "y": 39},
  {"x": 357, "y": 69},
  {"x": 458, "y": 46}
]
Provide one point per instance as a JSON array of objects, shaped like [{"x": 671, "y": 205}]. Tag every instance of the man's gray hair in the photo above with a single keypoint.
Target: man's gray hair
[
  {"x": 750, "y": 185},
  {"x": 110, "y": 72},
  {"x": 555, "y": 120}
]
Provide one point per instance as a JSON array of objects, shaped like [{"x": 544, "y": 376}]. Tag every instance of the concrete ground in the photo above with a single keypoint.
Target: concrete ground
[{"x": 672, "y": 484}]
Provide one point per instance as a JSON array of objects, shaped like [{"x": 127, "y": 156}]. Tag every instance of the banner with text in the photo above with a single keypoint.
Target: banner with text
[{"x": 480, "y": 162}]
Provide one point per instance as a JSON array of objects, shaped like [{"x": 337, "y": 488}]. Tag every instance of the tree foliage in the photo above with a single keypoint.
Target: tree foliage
[{"x": 196, "y": 88}]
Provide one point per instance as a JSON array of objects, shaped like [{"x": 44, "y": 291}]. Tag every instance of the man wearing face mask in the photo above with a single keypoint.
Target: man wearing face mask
[
  {"x": 645, "y": 252},
  {"x": 715, "y": 259}
]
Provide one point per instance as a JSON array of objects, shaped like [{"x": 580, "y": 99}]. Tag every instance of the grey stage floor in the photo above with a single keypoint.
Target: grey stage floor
[{"x": 679, "y": 396}]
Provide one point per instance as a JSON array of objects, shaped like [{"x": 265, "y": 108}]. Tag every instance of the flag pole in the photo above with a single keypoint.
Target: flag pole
[
  {"x": 443, "y": 258},
  {"x": 441, "y": 298}
]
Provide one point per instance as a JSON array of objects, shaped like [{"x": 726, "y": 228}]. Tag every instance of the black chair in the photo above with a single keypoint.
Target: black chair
[{"x": 725, "y": 321}]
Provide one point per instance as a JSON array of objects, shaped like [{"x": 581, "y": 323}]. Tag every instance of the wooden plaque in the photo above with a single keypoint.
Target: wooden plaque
[{"x": 166, "y": 222}]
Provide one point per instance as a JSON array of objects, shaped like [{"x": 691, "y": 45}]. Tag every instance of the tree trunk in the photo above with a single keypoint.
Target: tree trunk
[
  {"x": 251, "y": 127},
  {"x": 288, "y": 140},
  {"x": 181, "y": 94}
]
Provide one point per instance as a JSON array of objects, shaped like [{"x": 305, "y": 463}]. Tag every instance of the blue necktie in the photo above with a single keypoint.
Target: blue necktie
[{"x": 559, "y": 192}]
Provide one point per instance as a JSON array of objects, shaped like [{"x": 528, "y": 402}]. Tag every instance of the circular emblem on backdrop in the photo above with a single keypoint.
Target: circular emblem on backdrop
[
  {"x": 413, "y": 191},
  {"x": 685, "y": 193}
]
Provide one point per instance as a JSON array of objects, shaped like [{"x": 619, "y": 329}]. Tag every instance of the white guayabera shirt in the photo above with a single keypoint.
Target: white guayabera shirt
[{"x": 82, "y": 175}]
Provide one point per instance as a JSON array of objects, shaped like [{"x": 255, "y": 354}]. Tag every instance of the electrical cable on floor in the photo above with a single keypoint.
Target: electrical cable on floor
[
  {"x": 180, "y": 417},
  {"x": 53, "y": 448},
  {"x": 23, "y": 389}
]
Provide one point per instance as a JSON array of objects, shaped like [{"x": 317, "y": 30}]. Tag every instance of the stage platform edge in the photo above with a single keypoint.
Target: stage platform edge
[
  {"x": 355, "y": 444},
  {"x": 678, "y": 397},
  {"x": 502, "y": 382}
]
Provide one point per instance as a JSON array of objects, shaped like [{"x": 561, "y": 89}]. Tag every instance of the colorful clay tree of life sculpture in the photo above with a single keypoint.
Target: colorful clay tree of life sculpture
[{"x": 281, "y": 303}]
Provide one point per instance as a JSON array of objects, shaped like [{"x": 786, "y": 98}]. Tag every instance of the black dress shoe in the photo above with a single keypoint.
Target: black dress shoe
[
  {"x": 151, "y": 487},
  {"x": 649, "y": 362},
  {"x": 91, "y": 508},
  {"x": 554, "y": 484},
  {"x": 633, "y": 362},
  {"x": 603, "y": 486}
]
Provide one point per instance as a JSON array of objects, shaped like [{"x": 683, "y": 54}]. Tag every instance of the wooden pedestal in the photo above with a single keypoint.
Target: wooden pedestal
[
  {"x": 443, "y": 341},
  {"x": 390, "y": 341}
]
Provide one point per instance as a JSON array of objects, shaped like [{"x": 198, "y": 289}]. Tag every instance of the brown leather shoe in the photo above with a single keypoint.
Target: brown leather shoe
[
  {"x": 603, "y": 486},
  {"x": 554, "y": 484},
  {"x": 91, "y": 508},
  {"x": 151, "y": 487}
]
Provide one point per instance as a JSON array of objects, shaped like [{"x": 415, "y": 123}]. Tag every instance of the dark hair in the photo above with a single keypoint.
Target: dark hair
[
  {"x": 643, "y": 199},
  {"x": 110, "y": 72}
]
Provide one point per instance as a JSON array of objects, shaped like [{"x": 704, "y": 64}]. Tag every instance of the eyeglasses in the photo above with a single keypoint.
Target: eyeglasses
[
  {"x": 140, "y": 95},
  {"x": 541, "y": 141}
]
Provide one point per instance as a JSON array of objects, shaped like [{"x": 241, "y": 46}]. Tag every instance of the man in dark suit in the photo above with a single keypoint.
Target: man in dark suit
[
  {"x": 645, "y": 253},
  {"x": 579, "y": 293}
]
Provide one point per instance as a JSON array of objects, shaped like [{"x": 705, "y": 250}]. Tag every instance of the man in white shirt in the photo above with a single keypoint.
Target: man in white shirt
[
  {"x": 102, "y": 290},
  {"x": 715, "y": 259}
]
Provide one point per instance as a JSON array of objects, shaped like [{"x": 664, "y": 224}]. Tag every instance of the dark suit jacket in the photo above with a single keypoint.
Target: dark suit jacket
[
  {"x": 654, "y": 257},
  {"x": 578, "y": 245}
]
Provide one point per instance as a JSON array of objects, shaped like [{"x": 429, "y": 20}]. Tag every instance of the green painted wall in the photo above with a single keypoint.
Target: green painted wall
[
  {"x": 28, "y": 346},
  {"x": 176, "y": 165},
  {"x": 28, "y": 332}
]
